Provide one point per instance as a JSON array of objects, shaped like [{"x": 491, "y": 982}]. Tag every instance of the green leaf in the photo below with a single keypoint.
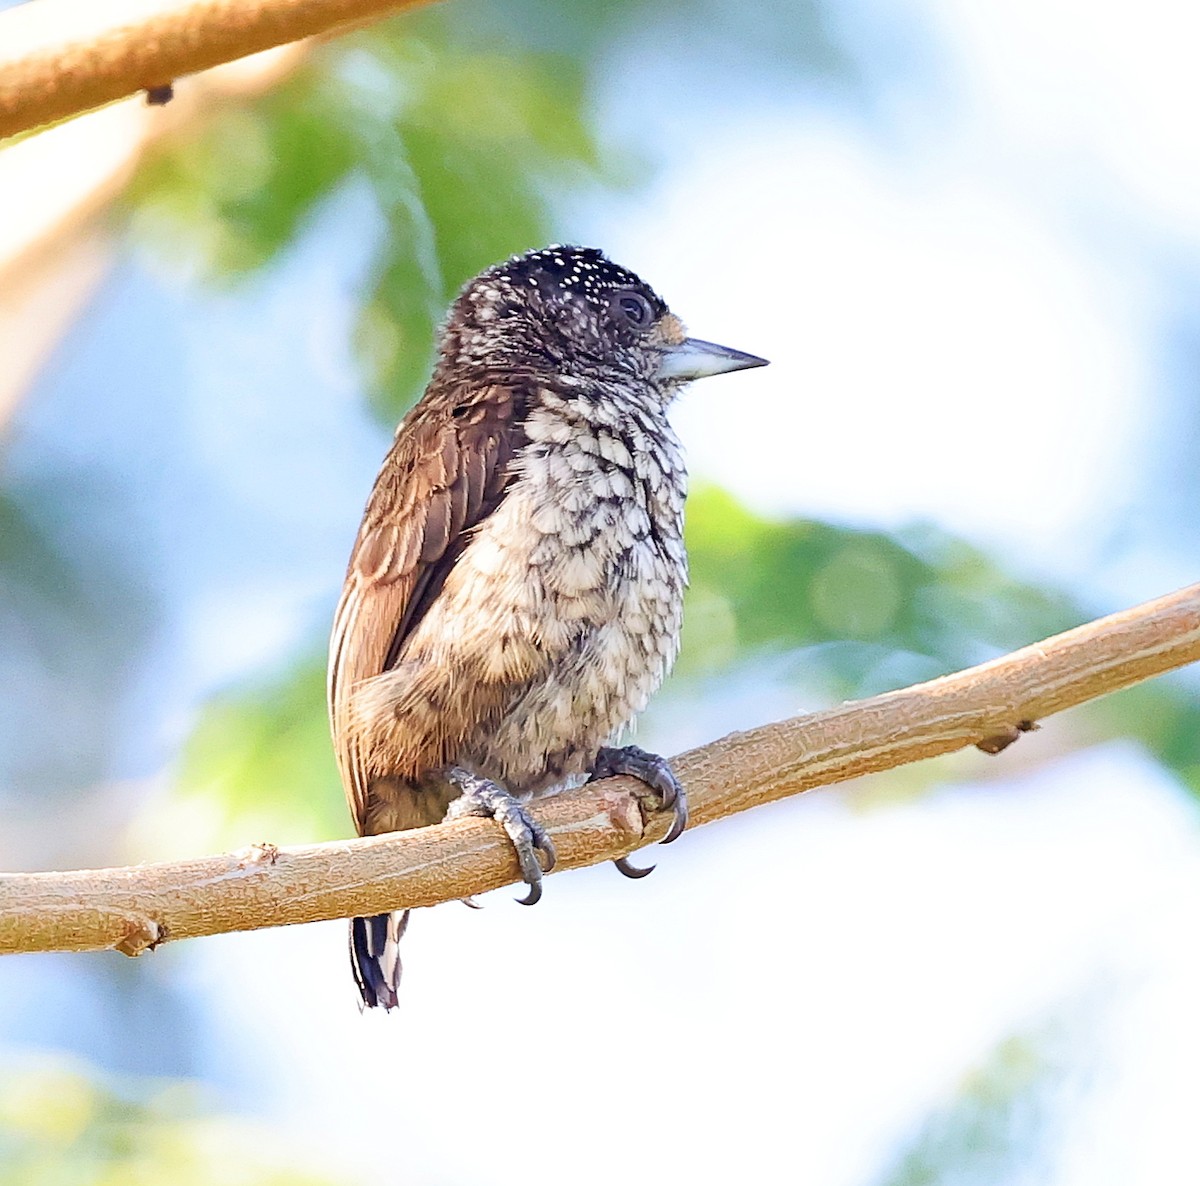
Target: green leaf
[
  {"x": 783, "y": 584},
  {"x": 998, "y": 1123},
  {"x": 263, "y": 754},
  {"x": 62, "y": 1125}
]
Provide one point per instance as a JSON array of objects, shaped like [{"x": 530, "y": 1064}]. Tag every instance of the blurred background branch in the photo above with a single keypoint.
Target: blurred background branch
[
  {"x": 59, "y": 58},
  {"x": 988, "y": 706}
]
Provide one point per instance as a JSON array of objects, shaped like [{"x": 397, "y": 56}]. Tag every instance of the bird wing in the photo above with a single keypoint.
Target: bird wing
[{"x": 447, "y": 471}]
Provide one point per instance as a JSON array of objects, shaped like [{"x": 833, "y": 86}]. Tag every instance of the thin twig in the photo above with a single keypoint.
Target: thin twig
[{"x": 990, "y": 705}]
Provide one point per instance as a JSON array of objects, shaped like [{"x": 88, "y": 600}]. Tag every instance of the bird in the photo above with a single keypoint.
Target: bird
[{"x": 514, "y": 595}]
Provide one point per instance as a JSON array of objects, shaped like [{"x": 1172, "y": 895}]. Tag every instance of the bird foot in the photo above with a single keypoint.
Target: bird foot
[
  {"x": 657, "y": 774},
  {"x": 481, "y": 796}
]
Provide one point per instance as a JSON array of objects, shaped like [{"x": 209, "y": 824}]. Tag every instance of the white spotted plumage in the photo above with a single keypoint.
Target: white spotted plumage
[{"x": 573, "y": 589}]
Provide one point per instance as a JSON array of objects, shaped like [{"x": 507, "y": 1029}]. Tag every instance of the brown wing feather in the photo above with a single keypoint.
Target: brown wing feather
[{"x": 446, "y": 472}]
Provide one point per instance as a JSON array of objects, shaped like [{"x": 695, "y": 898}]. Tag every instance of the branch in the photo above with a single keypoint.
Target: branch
[
  {"x": 61, "y": 57},
  {"x": 990, "y": 705}
]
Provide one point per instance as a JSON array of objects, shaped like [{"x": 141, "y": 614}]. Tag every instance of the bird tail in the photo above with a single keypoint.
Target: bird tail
[{"x": 375, "y": 956}]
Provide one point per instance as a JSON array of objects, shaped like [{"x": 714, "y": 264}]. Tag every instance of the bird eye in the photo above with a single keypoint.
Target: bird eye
[{"x": 633, "y": 308}]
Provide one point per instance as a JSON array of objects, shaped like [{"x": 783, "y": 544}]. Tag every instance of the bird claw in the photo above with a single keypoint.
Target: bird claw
[
  {"x": 657, "y": 774},
  {"x": 632, "y": 871},
  {"x": 483, "y": 797}
]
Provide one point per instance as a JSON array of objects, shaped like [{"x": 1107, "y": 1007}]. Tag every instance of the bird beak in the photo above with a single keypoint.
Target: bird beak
[{"x": 694, "y": 359}]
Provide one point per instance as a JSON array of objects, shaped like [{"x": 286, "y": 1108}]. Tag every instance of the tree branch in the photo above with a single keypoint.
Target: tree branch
[
  {"x": 990, "y": 705},
  {"x": 61, "y": 57}
]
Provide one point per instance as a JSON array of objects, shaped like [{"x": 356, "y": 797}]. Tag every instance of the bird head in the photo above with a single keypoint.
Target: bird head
[{"x": 571, "y": 312}]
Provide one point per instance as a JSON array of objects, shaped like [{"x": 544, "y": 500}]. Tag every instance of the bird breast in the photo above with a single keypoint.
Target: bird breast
[{"x": 563, "y": 613}]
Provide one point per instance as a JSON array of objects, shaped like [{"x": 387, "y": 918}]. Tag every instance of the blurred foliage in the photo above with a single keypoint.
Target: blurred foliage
[
  {"x": 263, "y": 755},
  {"x": 459, "y": 147},
  {"x": 760, "y": 584},
  {"x": 59, "y": 1126},
  {"x": 997, "y": 1126}
]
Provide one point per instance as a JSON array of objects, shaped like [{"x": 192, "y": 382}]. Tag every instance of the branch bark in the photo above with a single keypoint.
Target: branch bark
[
  {"x": 989, "y": 705},
  {"x": 61, "y": 57}
]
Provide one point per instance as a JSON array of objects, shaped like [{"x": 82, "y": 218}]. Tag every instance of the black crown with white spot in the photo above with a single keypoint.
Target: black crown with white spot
[{"x": 583, "y": 270}]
